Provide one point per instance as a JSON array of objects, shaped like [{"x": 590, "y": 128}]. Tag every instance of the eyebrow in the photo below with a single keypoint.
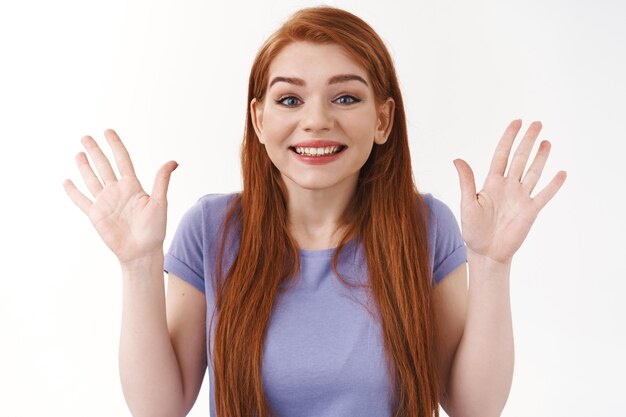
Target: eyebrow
[{"x": 333, "y": 80}]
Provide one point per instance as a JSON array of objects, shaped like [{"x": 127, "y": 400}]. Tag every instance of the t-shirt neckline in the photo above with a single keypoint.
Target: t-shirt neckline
[{"x": 323, "y": 253}]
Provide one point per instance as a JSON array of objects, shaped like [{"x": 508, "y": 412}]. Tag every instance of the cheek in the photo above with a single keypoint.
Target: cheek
[
  {"x": 362, "y": 124},
  {"x": 277, "y": 127}
]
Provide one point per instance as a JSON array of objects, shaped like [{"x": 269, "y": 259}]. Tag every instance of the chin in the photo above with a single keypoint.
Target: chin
[{"x": 313, "y": 183}]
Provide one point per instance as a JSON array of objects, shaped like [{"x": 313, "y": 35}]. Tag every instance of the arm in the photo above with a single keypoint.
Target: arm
[
  {"x": 161, "y": 357},
  {"x": 149, "y": 372},
  {"x": 162, "y": 351},
  {"x": 494, "y": 223},
  {"x": 477, "y": 361}
]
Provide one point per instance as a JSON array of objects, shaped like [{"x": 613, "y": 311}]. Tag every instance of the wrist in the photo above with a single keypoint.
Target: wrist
[
  {"x": 487, "y": 266},
  {"x": 488, "y": 260},
  {"x": 145, "y": 262}
]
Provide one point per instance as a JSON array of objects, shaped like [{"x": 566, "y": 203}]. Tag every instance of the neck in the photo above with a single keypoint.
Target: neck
[{"x": 314, "y": 216}]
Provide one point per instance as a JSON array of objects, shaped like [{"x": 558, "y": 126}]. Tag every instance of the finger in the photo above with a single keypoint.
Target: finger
[
  {"x": 122, "y": 158},
  {"x": 162, "y": 180},
  {"x": 76, "y": 196},
  {"x": 100, "y": 160},
  {"x": 536, "y": 168},
  {"x": 91, "y": 180},
  {"x": 520, "y": 158},
  {"x": 466, "y": 181},
  {"x": 550, "y": 190},
  {"x": 501, "y": 155}
]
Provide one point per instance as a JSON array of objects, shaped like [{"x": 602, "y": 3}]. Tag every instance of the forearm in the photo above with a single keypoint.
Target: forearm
[
  {"x": 482, "y": 369},
  {"x": 149, "y": 371}
]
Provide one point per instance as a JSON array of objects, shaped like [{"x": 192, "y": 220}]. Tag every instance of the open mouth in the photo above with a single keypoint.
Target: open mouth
[{"x": 325, "y": 151}]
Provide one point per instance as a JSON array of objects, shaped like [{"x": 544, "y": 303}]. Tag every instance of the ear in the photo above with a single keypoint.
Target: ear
[
  {"x": 256, "y": 112},
  {"x": 385, "y": 121}
]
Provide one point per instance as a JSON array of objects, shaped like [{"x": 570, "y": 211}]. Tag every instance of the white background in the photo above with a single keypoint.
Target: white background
[{"x": 171, "y": 78}]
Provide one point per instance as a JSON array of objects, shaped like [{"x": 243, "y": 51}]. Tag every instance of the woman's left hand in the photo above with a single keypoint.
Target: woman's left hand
[{"x": 496, "y": 221}]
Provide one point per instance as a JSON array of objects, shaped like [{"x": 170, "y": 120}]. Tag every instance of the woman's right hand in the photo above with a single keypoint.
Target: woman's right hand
[{"x": 131, "y": 222}]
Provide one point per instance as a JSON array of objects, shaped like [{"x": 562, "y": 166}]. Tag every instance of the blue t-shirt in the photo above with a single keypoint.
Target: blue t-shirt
[{"x": 323, "y": 353}]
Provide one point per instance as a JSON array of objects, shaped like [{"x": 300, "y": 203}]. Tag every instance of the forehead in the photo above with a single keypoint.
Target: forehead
[{"x": 311, "y": 61}]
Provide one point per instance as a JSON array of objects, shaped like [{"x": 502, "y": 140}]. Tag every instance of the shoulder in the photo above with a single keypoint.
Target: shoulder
[
  {"x": 439, "y": 213},
  {"x": 195, "y": 238},
  {"x": 209, "y": 208},
  {"x": 437, "y": 208},
  {"x": 202, "y": 219},
  {"x": 447, "y": 248},
  {"x": 440, "y": 217},
  {"x": 215, "y": 202}
]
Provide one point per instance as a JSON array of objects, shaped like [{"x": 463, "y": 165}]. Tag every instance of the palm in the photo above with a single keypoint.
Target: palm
[
  {"x": 129, "y": 221},
  {"x": 496, "y": 220}
]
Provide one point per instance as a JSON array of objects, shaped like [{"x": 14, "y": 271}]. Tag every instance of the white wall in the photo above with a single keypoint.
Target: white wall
[{"x": 170, "y": 77}]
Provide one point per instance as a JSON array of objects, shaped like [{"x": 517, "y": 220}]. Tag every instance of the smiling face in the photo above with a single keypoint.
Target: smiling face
[{"x": 319, "y": 119}]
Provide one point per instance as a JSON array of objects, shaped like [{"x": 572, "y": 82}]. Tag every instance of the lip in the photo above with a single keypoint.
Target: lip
[
  {"x": 317, "y": 144},
  {"x": 319, "y": 160}
]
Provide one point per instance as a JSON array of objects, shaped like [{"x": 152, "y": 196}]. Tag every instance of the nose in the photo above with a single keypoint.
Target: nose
[{"x": 317, "y": 116}]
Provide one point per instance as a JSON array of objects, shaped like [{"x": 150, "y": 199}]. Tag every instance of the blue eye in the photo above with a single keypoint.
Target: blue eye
[
  {"x": 352, "y": 99},
  {"x": 289, "y": 101}
]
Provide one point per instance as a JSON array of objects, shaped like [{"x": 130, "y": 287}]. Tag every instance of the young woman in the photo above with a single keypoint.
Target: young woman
[{"x": 329, "y": 286}]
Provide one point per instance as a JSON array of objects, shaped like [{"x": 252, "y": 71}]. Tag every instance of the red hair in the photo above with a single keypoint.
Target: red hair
[{"x": 387, "y": 213}]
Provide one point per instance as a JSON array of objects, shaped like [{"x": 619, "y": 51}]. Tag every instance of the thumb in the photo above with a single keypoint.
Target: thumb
[
  {"x": 466, "y": 181},
  {"x": 162, "y": 180}
]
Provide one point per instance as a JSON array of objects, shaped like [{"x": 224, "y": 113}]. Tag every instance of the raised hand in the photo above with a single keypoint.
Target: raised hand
[
  {"x": 496, "y": 221},
  {"x": 131, "y": 222}
]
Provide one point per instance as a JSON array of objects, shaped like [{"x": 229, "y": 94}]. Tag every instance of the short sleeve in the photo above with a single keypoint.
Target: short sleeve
[
  {"x": 185, "y": 256},
  {"x": 448, "y": 249}
]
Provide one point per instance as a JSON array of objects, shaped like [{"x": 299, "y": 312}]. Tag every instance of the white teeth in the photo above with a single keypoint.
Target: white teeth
[{"x": 317, "y": 151}]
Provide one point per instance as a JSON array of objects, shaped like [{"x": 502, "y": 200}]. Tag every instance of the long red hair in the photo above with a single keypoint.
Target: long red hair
[{"x": 386, "y": 212}]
